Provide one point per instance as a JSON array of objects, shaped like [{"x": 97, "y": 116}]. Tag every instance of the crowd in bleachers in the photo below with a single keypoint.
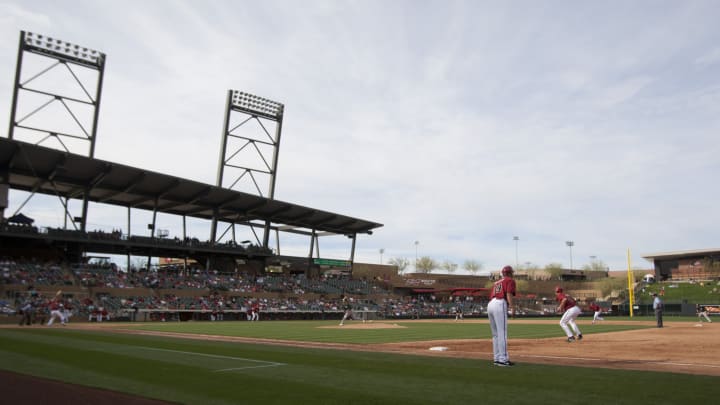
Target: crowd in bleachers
[
  {"x": 33, "y": 273},
  {"x": 429, "y": 306},
  {"x": 96, "y": 275},
  {"x": 216, "y": 292},
  {"x": 176, "y": 288}
]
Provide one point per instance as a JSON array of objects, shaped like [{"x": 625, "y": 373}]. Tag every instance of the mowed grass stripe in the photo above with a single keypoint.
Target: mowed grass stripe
[
  {"x": 327, "y": 373},
  {"x": 327, "y": 376},
  {"x": 94, "y": 368},
  {"x": 329, "y": 332}
]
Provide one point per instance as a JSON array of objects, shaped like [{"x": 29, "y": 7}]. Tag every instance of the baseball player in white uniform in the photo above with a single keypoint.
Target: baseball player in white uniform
[
  {"x": 56, "y": 312},
  {"x": 570, "y": 311},
  {"x": 501, "y": 299}
]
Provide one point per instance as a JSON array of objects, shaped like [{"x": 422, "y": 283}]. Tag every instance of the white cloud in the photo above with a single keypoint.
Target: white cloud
[
  {"x": 622, "y": 91},
  {"x": 710, "y": 58}
]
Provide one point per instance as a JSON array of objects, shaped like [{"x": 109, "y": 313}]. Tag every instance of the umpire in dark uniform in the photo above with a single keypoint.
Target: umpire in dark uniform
[
  {"x": 28, "y": 311},
  {"x": 658, "y": 307}
]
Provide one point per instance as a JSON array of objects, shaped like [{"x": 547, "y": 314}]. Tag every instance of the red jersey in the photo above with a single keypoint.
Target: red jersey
[
  {"x": 569, "y": 301},
  {"x": 502, "y": 288},
  {"x": 594, "y": 307}
]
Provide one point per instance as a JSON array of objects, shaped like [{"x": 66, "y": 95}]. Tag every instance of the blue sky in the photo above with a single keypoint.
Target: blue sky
[{"x": 455, "y": 124}]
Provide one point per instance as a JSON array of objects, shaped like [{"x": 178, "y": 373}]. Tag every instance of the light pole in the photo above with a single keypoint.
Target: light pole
[
  {"x": 516, "y": 239},
  {"x": 382, "y": 250},
  {"x": 570, "y": 244},
  {"x": 416, "y": 256}
]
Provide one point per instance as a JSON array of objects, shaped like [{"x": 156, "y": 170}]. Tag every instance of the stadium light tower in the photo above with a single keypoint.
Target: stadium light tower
[
  {"x": 252, "y": 109},
  {"x": 240, "y": 144},
  {"x": 516, "y": 239},
  {"x": 570, "y": 244},
  {"x": 416, "y": 255},
  {"x": 39, "y": 125},
  {"x": 37, "y": 100}
]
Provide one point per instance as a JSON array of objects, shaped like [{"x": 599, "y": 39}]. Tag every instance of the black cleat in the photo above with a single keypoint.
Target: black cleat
[
  {"x": 571, "y": 339},
  {"x": 504, "y": 363},
  {"x": 580, "y": 336}
]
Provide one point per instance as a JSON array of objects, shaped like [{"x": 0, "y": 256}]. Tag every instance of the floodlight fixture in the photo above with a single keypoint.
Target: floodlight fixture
[
  {"x": 570, "y": 245},
  {"x": 255, "y": 105},
  {"x": 63, "y": 50}
]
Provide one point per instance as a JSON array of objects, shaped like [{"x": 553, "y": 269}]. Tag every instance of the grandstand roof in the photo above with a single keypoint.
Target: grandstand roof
[
  {"x": 681, "y": 254},
  {"x": 50, "y": 171}
]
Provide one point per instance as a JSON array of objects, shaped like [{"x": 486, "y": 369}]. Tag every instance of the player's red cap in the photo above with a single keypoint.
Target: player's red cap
[
  {"x": 507, "y": 271},
  {"x": 558, "y": 289}
]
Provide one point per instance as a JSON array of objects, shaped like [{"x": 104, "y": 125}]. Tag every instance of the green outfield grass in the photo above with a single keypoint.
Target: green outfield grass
[
  {"x": 204, "y": 372},
  {"x": 327, "y": 331},
  {"x": 707, "y": 293}
]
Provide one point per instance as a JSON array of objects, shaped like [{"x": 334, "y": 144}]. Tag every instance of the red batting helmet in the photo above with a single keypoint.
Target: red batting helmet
[
  {"x": 558, "y": 289},
  {"x": 507, "y": 271}
]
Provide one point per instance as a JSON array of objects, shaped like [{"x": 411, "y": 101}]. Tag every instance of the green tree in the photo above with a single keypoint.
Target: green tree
[
  {"x": 472, "y": 266},
  {"x": 595, "y": 265},
  {"x": 400, "y": 262},
  {"x": 531, "y": 270},
  {"x": 426, "y": 265},
  {"x": 555, "y": 270},
  {"x": 449, "y": 266},
  {"x": 611, "y": 284},
  {"x": 638, "y": 275},
  {"x": 522, "y": 285}
]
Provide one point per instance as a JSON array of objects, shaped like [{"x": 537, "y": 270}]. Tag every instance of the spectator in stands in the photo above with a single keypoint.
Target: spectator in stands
[{"x": 658, "y": 308}]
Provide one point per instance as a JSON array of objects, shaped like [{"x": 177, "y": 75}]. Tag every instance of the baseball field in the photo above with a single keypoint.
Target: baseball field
[{"x": 619, "y": 361}]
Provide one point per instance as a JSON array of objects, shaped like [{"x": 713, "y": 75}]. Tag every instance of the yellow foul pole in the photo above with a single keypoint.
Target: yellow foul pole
[{"x": 631, "y": 294}]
